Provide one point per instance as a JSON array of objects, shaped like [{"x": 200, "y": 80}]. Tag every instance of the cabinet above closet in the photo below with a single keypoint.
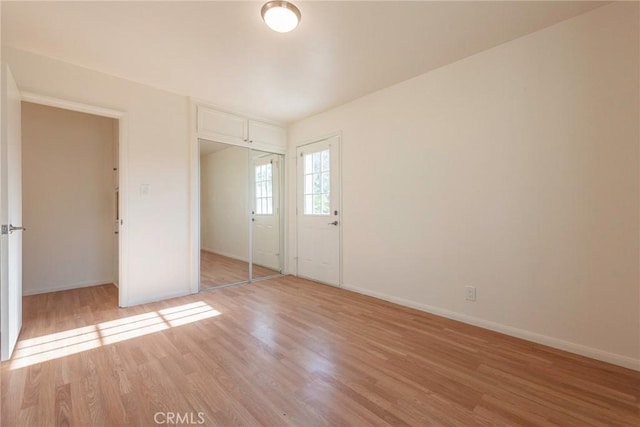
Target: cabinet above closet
[{"x": 220, "y": 126}]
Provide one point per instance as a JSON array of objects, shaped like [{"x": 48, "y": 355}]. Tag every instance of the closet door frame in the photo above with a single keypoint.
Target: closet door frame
[
  {"x": 281, "y": 211},
  {"x": 195, "y": 178}
]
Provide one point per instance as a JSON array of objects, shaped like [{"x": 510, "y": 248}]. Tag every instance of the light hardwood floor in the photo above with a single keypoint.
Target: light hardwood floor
[
  {"x": 288, "y": 351},
  {"x": 217, "y": 270}
]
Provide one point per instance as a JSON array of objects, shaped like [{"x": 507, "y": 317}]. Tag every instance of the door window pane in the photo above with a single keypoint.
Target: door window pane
[
  {"x": 325, "y": 182},
  {"x": 325, "y": 161},
  {"x": 264, "y": 189},
  {"x": 326, "y": 207},
  {"x": 317, "y": 183},
  {"x": 307, "y": 184},
  {"x": 307, "y": 163}
]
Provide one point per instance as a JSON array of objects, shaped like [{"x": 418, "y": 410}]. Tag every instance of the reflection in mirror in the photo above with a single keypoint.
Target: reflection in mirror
[
  {"x": 266, "y": 180},
  {"x": 224, "y": 214}
]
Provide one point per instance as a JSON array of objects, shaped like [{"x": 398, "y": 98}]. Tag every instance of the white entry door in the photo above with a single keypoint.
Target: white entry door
[
  {"x": 318, "y": 211},
  {"x": 10, "y": 215},
  {"x": 266, "y": 211}
]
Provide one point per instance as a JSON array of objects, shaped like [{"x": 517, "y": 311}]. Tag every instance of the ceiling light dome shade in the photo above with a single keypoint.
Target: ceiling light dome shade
[{"x": 280, "y": 16}]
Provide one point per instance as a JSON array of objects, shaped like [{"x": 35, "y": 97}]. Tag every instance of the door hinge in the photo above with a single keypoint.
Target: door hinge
[{"x": 5, "y": 229}]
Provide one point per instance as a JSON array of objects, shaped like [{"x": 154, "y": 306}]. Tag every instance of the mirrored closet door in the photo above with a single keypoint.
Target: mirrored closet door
[
  {"x": 266, "y": 227},
  {"x": 240, "y": 214}
]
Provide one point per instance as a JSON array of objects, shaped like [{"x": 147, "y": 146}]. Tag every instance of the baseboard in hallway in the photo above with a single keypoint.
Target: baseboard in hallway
[{"x": 58, "y": 288}]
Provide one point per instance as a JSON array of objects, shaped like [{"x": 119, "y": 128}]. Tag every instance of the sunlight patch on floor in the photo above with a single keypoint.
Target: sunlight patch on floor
[{"x": 60, "y": 344}]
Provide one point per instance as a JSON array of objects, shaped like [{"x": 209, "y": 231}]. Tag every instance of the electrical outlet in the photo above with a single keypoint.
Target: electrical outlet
[{"x": 470, "y": 293}]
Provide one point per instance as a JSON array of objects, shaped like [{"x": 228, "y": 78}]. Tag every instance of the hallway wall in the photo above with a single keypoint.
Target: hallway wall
[{"x": 68, "y": 199}]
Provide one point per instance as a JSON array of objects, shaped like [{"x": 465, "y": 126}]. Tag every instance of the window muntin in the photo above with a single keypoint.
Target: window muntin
[
  {"x": 264, "y": 189},
  {"x": 317, "y": 183}
]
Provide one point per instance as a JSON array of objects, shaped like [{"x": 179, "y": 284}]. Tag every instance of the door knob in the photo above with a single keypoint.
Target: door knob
[
  {"x": 333, "y": 223},
  {"x": 12, "y": 228}
]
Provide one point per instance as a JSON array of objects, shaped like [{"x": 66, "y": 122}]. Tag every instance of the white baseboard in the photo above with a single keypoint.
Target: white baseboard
[
  {"x": 582, "y": 350},
  {"x": 228, "y": 255},
  {"x": 66, "y": 287}
]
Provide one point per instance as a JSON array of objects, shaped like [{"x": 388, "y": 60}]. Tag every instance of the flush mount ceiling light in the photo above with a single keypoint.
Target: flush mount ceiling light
[{"x": 280, "y": 16}]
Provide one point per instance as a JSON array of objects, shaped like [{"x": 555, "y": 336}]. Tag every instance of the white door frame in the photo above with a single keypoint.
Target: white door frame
[
  {"x": 194, "y": 196},
  {"x": 337, "y": 135},
  {"x": 123, "y": 142}
]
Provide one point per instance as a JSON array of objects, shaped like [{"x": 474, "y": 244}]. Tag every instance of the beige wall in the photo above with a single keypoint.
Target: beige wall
[
  {"x": 515, "y": 171},
  {"x": 68, "y": 199},
  {"x": 155, "y": 152},
  {"x": 224, "y": 202}
]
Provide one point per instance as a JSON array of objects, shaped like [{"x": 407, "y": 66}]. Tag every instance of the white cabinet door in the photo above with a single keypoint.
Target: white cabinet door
[
  {"x": 221, "y": 127},
  {"x": 268, "y": 137}
]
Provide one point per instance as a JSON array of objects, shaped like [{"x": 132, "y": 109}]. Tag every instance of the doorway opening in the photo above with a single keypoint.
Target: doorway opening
[
  {"x": 70, "y": 193},
  {"x": 240, "y": 214}
]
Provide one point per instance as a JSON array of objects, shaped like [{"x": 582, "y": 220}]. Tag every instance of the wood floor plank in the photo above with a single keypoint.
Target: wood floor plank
[
  {"x": 64, "y": 405},
  {"x": 218, "y": 270},
  {"x": 288, "y": 351}
]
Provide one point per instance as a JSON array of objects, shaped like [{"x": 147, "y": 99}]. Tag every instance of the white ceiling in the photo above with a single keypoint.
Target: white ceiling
[{"x": 223, "y": 53}]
